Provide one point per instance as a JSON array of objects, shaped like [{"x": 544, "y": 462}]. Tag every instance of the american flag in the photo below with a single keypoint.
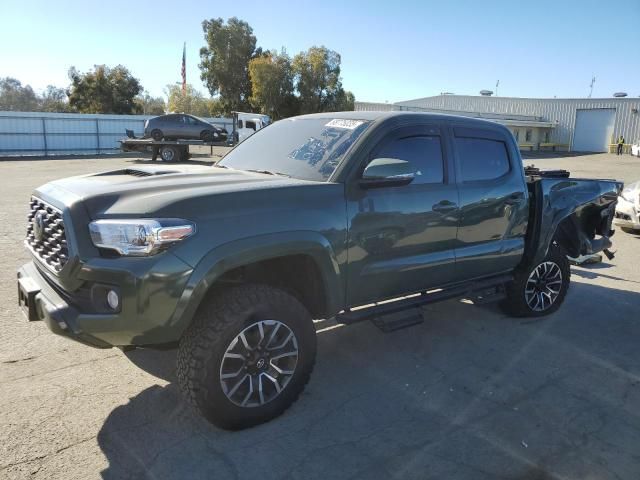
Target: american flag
[{"x": 184, "y": 68}]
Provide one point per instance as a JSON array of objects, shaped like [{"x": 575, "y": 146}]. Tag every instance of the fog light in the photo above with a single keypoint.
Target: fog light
[{"x": 113, "y": 300}]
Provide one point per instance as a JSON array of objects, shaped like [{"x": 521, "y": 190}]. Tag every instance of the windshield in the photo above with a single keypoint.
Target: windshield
[{"x": 305, "y": 148}]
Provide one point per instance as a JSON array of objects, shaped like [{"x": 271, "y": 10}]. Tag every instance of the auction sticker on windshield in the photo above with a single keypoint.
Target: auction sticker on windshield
[{"x": 345, "y": 123}]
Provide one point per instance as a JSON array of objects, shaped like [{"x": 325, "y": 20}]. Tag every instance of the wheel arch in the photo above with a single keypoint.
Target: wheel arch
[{"x": 241, "y": 261}]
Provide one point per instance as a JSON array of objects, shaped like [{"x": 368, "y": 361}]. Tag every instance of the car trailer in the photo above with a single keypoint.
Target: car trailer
[
  {"x": 167, "y": 150},
  {"x": 173, "y": 150}
]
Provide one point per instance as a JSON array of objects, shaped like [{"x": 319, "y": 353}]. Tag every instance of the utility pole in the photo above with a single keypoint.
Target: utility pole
[
  {"x": 593, "y": 80},
  {"x": 497, "y": 83}
]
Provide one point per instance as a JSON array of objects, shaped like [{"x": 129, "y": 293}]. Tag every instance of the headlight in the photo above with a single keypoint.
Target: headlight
[{"x": 139, "y": 237}]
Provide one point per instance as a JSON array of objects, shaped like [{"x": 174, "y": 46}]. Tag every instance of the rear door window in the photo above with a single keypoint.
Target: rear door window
[{"x": 481, "y": 158}]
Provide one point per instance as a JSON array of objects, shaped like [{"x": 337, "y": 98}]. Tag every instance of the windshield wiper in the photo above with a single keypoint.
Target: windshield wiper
[{"x": 268, "y": 172}]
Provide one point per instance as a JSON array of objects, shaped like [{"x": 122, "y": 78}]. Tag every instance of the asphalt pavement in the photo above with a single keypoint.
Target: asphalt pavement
[{"x": 469, "y": 394}]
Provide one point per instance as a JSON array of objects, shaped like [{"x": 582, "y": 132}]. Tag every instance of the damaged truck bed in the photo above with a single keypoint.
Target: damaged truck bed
[{"x": 576, "y": 213}]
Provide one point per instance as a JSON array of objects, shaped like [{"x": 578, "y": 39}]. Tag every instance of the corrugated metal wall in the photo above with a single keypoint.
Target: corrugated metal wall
[
  {"x": 41, "y": 133},
  {"x": 561, "y": 111},
  {"x": 375, "y": 107}
]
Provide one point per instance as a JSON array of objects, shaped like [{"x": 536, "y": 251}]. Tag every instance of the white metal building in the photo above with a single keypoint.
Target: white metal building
[{"x": 580, "y": 124}]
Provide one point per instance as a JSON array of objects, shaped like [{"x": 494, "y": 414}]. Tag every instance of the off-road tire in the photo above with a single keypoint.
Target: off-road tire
[
  {"x": 157, "y": 135},
  {"x": 515, "y": 303},
  {"x": 219, "y": 319}
]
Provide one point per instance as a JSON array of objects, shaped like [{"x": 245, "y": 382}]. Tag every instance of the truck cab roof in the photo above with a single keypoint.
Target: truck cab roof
[{"x": 378, "y": 116}]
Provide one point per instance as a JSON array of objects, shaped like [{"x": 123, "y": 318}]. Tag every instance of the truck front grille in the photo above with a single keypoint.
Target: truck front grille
[{"x": 45, "y": 234}]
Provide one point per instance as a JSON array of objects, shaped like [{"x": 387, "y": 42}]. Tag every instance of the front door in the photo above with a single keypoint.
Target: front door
[{"x": 401, "y": 239}]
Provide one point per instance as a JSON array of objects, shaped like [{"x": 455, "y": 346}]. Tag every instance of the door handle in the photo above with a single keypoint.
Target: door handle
[
  {"x": 514, "y": 198},
  {"x": 444, "y": 206}
]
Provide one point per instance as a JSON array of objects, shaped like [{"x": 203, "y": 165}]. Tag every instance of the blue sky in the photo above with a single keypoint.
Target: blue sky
[{"x": 391, "y": 51}]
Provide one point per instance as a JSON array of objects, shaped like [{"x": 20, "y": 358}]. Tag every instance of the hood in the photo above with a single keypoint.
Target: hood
[{"x": 147, "y": 190}]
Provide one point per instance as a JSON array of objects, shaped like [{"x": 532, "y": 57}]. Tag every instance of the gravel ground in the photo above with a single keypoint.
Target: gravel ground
[{"x": 469, "y": 394}]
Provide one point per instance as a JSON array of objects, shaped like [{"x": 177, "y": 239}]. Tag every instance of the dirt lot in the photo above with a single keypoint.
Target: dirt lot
[{"x": 469, "y": 394}]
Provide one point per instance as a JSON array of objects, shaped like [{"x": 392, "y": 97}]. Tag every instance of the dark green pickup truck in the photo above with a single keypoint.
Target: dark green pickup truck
[{"x": 309, "y": 218}]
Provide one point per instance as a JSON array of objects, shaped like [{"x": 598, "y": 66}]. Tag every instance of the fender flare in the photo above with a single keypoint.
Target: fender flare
[{"x": 238, "y": 253}]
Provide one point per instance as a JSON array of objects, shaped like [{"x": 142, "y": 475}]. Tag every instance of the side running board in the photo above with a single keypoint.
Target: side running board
[{"x": 403, "y": 312}]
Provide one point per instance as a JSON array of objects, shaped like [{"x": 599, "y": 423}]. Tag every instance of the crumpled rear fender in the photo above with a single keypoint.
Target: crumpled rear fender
[{"x": 576, "y": 213}]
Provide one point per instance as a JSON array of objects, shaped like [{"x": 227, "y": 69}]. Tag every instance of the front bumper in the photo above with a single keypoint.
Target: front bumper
[
  {"x": 41, "y": 302},
  {"x": 627, "y": 215},
  {"x": 150, "y": 290}
]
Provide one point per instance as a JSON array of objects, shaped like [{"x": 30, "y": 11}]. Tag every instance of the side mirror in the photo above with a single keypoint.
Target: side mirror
[{"x": 387, "y": 172}]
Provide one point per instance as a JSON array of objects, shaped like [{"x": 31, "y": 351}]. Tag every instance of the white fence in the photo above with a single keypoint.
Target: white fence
[{"x": 41, "y": 133}]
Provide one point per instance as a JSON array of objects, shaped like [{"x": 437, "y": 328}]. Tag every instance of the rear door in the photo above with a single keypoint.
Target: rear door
[
  {"x": 493, "y": 202},
  {"x": 183, "y": 126},
  {"x": 401, "y": 239},
  {"x": 171, "y": 126}
]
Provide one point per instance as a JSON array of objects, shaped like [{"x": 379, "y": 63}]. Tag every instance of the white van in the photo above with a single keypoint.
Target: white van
[{"x": 250, "y": 123}]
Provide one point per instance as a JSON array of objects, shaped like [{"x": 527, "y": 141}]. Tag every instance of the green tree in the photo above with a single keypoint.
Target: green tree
[
  {"x": 54, "y": 99},
  {"x": 224, "y": 61},
  {"x": 103, "y": 90},
  {"x": 192, "y": 101},
  {"x": 148, "y": 105},
  {"x": 272, "y": 85},
  {"x": 345, "y": 101},
  {"x": 216, "y": 108},
  {"x": 317, "y": 78},
  {"x": 15, "y": 97}
]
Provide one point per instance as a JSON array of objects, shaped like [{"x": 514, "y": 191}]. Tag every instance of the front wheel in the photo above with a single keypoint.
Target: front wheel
[
  {"x": 247, "y": 356},
  {"x": 539, "y": 289},
  {"x": 206, "y": 136}
]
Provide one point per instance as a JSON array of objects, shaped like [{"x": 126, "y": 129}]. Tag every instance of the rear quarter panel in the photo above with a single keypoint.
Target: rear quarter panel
[{"x": 559, "y": 198}]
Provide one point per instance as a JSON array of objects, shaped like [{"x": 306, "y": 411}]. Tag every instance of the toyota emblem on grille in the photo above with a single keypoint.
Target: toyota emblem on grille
[{"x": 38, "y": 226}]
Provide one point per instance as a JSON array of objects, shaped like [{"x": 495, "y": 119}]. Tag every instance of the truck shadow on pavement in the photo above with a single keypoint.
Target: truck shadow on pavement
[
  {"x": 470, "y": 393},
  {"x": 594, "y": 271}
]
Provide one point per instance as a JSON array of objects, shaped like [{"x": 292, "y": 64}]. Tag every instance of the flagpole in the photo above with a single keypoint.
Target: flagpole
[{"x": 184, "y": 69}]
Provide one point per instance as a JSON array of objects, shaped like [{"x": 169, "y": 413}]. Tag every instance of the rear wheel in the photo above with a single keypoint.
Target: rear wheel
[
  {"x": 539, "y": 289},
  {"x": 157, "y": 135},
  {"x": 169, "y": 153},
  {"x": 247, "y": 356}
]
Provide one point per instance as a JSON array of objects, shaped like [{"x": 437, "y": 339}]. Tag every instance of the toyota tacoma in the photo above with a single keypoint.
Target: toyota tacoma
[{"x": 357, "y": 215}]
